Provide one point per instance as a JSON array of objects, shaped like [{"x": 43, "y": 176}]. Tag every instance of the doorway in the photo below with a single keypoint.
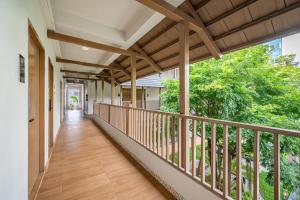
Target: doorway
[
  {"x": 36, "y": 59},
  {"x": 50, "y": 118}
]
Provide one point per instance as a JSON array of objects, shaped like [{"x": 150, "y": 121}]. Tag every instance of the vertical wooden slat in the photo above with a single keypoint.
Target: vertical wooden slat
[
  {"x": 213, "y": 155},
  {"x": 238, "y": 164},
  {"x": 173, "y": 139},
  {"x": 158, "y": 134},
  {"x": 148, "y": 129},
  {"x": 203, "y": 136},
  {"x": 145, "y": 128},
  {"x": 193, "y": 148},
  {"x": 225, "y": 161},
  {"x": 154, "y": 131},
  {"x": 151, "y": 130},
  {"x": 167, "y": 137},
  {"x": 163, "y": 134},
  {"x": 179, "y": 139},
  {"x": 256, "y": 166},
  {"x": 276, "y": 166}
]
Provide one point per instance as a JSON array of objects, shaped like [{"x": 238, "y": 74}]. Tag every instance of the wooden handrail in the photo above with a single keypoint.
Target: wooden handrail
[{"x": 160, "y": 133}]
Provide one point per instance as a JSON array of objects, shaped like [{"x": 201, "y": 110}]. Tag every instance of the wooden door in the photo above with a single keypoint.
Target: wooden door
[
  {"x": 33, "y": 140},
  {"x": 50, "y": 118},
  {"x": 36, "y": 79}
]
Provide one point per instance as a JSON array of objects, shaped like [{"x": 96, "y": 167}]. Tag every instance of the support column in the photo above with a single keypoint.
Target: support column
[
  {"x": 102, "y": 90},
  {"x": 184, "y": 88},
  {"x": 113, "y": 88},
  {"x": 96, "y": 92},
  {"x": 133, "y": 81}
]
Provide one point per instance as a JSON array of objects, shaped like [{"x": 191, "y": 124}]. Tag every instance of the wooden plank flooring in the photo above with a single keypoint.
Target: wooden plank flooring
[{"x": 87, "y": 165}]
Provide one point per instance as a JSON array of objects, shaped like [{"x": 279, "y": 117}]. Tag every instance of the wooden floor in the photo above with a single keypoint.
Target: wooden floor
[{"x": 86, "y": 164}]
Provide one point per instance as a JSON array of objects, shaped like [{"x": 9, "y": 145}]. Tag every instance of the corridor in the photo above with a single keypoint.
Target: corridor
[{"x": 85, "y": 164}]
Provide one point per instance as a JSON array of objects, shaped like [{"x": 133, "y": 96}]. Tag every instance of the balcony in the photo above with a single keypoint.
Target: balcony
[{"x": 156, "y": 140}]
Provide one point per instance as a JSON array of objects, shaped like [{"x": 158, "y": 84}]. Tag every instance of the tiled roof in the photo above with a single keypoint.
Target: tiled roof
[{"x": 149, "y": 81}]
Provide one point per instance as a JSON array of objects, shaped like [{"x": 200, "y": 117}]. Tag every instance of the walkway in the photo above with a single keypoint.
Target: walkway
[{"x": 86, "y": 164}]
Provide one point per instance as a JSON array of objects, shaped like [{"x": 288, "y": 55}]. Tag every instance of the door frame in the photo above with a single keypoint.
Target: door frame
[
  {"x": 51, "y": 105},
  {"x": 33, "y": 35}
]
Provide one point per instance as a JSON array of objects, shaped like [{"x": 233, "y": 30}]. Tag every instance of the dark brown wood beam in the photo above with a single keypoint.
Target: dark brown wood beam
[
  {"x": 149, "y": 59},
  {"x": 60, "y": 60},
  {"x": 96, "y": 45},
  {"x": 177, "y": 15},
  {"x": 85, "y": 73}
]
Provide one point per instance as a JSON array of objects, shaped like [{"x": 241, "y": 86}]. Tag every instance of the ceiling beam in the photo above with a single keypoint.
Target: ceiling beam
[
  {"x": 148, "y": 58},
  {"x": 79, "y": 41},
  {"x": 204, "y": 34},
  {"x": 74, "y": 77},
  {"x": 85, "y": 73},
  {"x": 177, "y": 15},
  {"x": 60, "y": 60}
]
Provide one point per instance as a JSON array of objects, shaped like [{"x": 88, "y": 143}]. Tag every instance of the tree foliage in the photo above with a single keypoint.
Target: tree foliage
[{"x": 245, "y": 86}]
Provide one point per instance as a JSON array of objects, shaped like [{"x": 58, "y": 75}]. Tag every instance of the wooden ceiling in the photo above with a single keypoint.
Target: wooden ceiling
[{"x": 232, "y": 24}]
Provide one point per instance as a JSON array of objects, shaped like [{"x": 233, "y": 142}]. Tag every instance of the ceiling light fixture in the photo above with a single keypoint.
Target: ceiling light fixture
[{"x": 84, "y": 48}]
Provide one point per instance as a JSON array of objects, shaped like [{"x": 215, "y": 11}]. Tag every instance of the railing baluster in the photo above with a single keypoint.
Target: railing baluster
[
  {"x": 158, "y": 133},
  {"x": 203, "y": 136},
  {"x": 167, "y": 137},
  {"x": 193, "y": 148},
  {"x": 276, "y": 166},
  {"x": 154, "y": 132},
  {"x": 147, "y": 129},
  {"x": 238, "y": 164},
  {"x": 213, "y": 156},
  {"x": 173, "y": 139},
  {"x": 151, "y": 130},
  {"x": 163, "y": 134},
  {"x": 179, "y": 142},
  {"x": 225, "y": 161},
  {"x": 256, "y": 165}
]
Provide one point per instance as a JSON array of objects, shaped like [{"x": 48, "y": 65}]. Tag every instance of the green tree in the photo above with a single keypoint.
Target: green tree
[{"x": 245, "y": 86}]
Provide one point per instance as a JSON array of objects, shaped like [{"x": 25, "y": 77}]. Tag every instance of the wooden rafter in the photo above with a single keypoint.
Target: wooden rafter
[
  {"x": 148, "y": 58},
  {"x": 85, "y": 73},
  {"x": 88, "y": 64},
  {"x": 116, "y": 64},
  {"x": 177, "y": 15},
  {"x": 79, "y": 41}
]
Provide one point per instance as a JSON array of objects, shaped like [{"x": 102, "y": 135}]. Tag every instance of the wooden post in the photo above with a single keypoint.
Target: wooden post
[
  {"x": 184, "y": 88},
  {"x": 102, "y": 90},
  {"x": 143, "y": 100},
  {"x": 113, "y": 88},
  {"x": 133, "y": 81},
  {"x": 96, "y": 90},
  {"x": 121, "y": 95}
]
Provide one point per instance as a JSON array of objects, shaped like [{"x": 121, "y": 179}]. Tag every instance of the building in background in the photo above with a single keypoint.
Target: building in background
[
  {"x": 286, "y": 46},
  {"x": 148, "y": 90}
]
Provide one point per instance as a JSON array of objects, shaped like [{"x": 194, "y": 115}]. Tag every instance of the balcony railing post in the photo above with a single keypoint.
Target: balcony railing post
[
  {"x": 256, "y": 165},
  {"x": 127, "y": 121},
  {"x": 276, "y": 166}
]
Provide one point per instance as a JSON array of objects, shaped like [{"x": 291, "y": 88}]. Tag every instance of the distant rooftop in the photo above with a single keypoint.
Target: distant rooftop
[{"x": 149, "y": 81}]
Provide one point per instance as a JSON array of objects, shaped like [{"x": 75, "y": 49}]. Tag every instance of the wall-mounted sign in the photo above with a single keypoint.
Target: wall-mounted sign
[{"x": 22, "y": 68}]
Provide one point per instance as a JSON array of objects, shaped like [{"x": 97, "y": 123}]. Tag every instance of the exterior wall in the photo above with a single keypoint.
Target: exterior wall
[
  {"x": 182, "y": 186},
  {"x": 291, "y": 45},
  {"x": 152, "y": 98},
  {"x": 14, "y": 15},
  {"x": 106, "y": 93}
]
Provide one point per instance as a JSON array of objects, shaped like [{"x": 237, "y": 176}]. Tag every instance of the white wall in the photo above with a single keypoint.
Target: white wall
[
  {"x": 14, "y": 15},
  {"x": 291, "y": 45}
]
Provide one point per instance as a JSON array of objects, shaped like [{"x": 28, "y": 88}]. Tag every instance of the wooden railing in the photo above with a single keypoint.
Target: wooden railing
[{"x": 160, "y": 133}]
